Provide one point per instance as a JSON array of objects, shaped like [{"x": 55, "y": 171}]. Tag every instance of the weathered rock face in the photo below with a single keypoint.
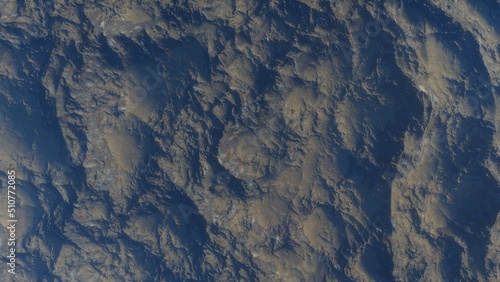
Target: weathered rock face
[
  {"x": 249, "y": 154},
  {"x": 251, "y": 140}
]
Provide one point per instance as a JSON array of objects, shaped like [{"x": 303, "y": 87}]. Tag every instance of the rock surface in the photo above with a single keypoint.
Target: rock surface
[{"x": 251, "y": 140}]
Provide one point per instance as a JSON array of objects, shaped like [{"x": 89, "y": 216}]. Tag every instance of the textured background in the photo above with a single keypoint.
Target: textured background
[{"x": 251, "y": 140}]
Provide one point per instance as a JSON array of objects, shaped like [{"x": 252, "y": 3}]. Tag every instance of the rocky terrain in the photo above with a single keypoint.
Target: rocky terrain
[{"x": 251, "y": 140}]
